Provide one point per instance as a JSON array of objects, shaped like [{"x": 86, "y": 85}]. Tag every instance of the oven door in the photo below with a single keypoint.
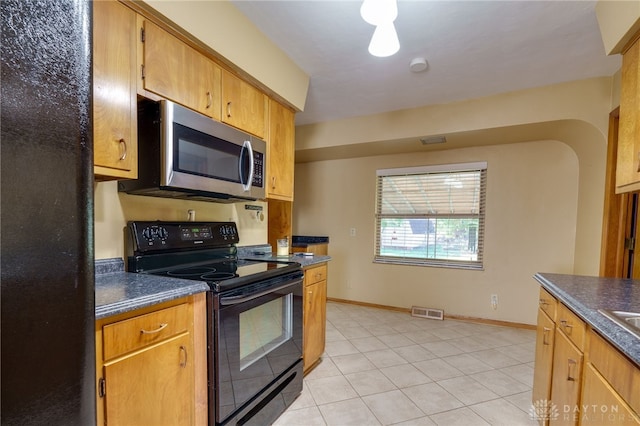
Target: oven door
[{"x": 257, "y": 335}]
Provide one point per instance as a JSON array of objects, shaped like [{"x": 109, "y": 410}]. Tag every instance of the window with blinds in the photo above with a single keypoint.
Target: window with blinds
[{"x": 432, "y": 215}]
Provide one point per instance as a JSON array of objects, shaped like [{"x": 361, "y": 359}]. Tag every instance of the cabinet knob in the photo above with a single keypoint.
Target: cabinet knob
[{"x": 123, "y": 144}]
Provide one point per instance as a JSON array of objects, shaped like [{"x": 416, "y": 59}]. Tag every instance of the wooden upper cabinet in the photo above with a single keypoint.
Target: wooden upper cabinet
[
  {"x": 280, "y": 152},
  {"x": 628, "y": 157},
  {"x": 114, "y": 91},
  {"x": 177, "y": 72},
  {"x": 243, "y": 106}
]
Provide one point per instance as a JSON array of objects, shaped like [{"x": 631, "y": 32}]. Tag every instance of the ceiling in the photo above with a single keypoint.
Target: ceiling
[{"x": 473, "y": 49}]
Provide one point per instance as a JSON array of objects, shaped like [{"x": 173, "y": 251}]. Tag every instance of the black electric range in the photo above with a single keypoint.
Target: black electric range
[{"x": 254, "y": 315}]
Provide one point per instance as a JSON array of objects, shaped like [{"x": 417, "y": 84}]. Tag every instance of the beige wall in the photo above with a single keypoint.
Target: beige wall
[
  {"x": 546, "y": 150},
  {"x": 113, "y": 210},
  {"x": 532, "y": 195}
]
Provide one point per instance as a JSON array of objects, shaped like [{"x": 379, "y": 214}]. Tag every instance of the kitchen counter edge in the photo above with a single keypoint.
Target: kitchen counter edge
[
  {"x": 117, "y": 291},
  {"x": 584, "y": 295}
]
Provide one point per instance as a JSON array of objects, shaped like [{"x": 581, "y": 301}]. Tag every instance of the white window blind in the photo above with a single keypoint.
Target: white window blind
[{"x": 431, "y": 215}]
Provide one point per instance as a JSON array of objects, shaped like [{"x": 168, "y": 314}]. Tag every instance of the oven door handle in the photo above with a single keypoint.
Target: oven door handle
[{"x": 235, "y": 300}]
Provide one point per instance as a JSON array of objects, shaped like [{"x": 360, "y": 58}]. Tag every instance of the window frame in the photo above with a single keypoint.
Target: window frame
[{"x": 442, "y": 169}]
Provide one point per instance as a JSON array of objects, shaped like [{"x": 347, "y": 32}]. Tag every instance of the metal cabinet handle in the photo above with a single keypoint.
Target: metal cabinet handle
[
  {"x": 159, "y": 329},
  {"x": 273, "y": 182},
  {"x": 209, "y": 100},
  {"x": 228, "y": 109},
  {"x": 638, "y": 169},
  {"x": 123, "y": 143},
  {"x": 565, "y": 324},
  {"x": 543, "y": 302},
  {"x": 545, "y": 334},
  {"x": 570, "y": 363},
  {"x": 183, "y": 352}
]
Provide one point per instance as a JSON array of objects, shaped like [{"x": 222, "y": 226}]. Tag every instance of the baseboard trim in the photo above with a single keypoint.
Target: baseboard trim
[{"x": 446, "y": 316}]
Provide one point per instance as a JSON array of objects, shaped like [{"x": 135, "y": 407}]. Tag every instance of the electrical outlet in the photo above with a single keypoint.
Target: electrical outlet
[
  {"x": 494, "y": 301},
  {"x": 352, "y": 232}
]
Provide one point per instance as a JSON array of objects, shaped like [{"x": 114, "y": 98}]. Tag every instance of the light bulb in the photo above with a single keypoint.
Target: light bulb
[
  {"x": 378, "y": 12},
  {"x": 384, "y": 41}
]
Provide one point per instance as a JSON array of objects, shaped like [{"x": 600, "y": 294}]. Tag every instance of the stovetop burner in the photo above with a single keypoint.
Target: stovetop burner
[{"x": 191, "y": 273}]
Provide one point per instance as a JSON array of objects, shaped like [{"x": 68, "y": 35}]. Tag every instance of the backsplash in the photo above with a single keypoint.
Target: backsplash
[{"x": 114, "y": 209}]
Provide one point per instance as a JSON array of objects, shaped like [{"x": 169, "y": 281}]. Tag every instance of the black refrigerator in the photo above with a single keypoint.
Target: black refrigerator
[{"x": 46, "y": 220}]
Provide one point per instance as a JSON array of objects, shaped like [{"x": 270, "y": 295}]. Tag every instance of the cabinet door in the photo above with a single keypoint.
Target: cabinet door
[
  {"x": 314, "y": 318},
  {"x": 152, "y": 387},
  {"x": 543, "y": 369},
  {"x": 178, "y": 72},
  {"x": 628, "y": 157},
  {"x": 601, "y": 403},
  {"x": 566, "y": 382},
  {"x": 280, "y": 152},
  {"x": 243, "y": 106},
  {"x": 114, "y": 93}
]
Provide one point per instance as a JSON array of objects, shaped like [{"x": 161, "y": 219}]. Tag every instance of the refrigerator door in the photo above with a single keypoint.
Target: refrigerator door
[{"x": 48, "y": 359}]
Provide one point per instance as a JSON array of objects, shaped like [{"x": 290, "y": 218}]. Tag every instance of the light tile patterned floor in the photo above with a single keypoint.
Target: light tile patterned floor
[{"x": 382, "y": 367}]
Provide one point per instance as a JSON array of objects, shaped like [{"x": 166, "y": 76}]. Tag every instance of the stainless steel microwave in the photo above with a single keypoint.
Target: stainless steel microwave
[{"x": 184, "y": 154}]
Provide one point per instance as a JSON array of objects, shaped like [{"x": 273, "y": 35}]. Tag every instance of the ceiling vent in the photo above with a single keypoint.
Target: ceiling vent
[{"x": 433, "y": 140}]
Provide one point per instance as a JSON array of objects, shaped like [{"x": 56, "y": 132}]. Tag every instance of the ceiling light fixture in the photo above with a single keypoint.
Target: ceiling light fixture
[
  {"x": 384, "y": 41},
  {"x": 381, "y": 13},
  {"x": 376, "y": 12}
]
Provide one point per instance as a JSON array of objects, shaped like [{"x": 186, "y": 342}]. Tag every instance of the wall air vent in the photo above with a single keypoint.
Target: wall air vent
[
  {"x": 430, "y": 140},
  {"x": 417, "y": 311}
]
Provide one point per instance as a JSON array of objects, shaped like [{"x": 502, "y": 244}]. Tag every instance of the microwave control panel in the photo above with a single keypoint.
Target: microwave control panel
[{"x": 258, "y": 170}]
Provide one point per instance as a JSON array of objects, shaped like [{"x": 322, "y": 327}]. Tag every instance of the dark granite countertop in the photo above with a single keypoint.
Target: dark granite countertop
[
  {"x": 118, "y": 291},
  {"x": 585, "y": 295},
  {"x": 263, "y": 252}
]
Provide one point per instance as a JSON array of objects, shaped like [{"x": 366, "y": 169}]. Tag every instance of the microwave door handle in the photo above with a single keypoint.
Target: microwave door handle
[{"x": 247, "y": 185}]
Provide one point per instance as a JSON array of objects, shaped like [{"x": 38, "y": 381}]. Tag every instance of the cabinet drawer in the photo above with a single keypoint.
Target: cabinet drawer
[
  {"x": 315, "y": 274},
  {"x": 572, "y": 326},
  {"x": 135, "y": 333},
  {"x": 622, "y": 374},
  {"x": 548, "y": 303},
  {"x": 601, "y": 404}
]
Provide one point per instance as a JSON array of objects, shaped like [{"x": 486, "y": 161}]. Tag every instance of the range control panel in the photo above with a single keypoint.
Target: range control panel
[{"x": 155, "y": 236}]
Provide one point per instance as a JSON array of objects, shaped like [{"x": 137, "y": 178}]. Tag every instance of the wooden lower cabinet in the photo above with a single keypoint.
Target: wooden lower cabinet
[
  {"x": 151, "y": 365},
  {"x": 543, "y": 369},
  {"x": 601, "y": 404},
  {"x": 587, "y": 381},
  {"x": 566, "y": 380},
  {"x": 314, "y": 314}
]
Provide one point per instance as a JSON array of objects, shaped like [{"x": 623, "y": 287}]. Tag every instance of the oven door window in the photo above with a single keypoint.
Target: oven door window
[{"x": 264, "y": 328}]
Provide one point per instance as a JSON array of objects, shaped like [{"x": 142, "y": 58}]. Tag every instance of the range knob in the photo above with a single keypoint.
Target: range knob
[
  {"x": 147, "y": 234},
  {"x": 163, "y": 233}
]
